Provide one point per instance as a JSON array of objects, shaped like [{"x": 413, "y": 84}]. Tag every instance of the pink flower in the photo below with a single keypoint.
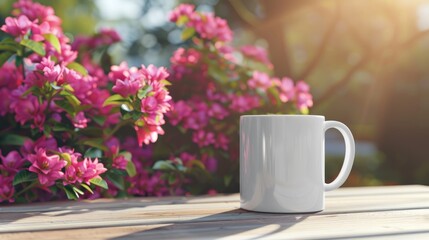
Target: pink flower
[
  {"x": 203, "y": 138},
  {"x": 119, "y": 72},
  {"x": 221, "y": 141},
  {"x": 256, "y": 53},
  {"x": 212, "y": 192},
  {"x": 120, "y": 162},
  {"x": 153, "y": 73},
  {"x": 149, "y": 105},
  {"x": 260, "y": 80},
  {"x": 43, "y": 142},
  {"x": 287, "y": 89},
  {"x": 50, "y": 71},
  {"x": 217, "y": 111},
  {"x": 187, "y": 157},
  {"x": 12, "y": 162},
  {"x": 87, "y": 170},
  {"x": 80, "y": 121},
  {"x": 145, "y": 184},
  {"x": 70, "y": 176},
  {"x": 28, "y": 109},
  {"x": 104, "y": 37},
  {"x": 304, "y": 99},
  {"x": 38, "y": 12},
  {"x": 148, "y": 133},
  {"x": 183, "y": 60},
  {"x": 211, "y": 27},
  {"x": 198, "y": 118},
  {"x": 48, "y": 168},
  {"x": 180, "y": 111},
  {"x": 17, "y": 27},
  {"x": 113, "y": 146},
  {"x": 10, "y": 76},
  {"x": 127, "y": 87},
  {"x": 182, "y": 10},
  {"x": 6, "y": 188},
  {"x": 209, "y": 162},
  {"x": 244, "y": 103},
  {"x": 6, "y": 101}
]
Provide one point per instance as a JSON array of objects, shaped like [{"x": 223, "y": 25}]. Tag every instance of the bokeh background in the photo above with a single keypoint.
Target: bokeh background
[{"x": 367, "y": 62}]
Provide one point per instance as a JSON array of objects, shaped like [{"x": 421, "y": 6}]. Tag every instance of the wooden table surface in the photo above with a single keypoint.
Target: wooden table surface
[{"x": 396, "y": 212}]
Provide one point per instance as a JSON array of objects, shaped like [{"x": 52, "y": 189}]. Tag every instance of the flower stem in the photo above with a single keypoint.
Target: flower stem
[{"x": 26, "y": 189}]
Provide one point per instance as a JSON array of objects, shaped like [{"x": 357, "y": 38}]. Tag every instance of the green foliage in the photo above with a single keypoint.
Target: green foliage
[
  {"x": 24, "y": 176},
  {"x": 99, "y": 182}
]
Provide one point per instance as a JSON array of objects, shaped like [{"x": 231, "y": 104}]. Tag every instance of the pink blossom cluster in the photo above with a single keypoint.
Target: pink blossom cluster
[
  {"x": 207, "y": 25},
  {"x": 156, "y": 102},
  {"x": 56, "y": 98},
  {"x": 224, "y": 87},
  {"x": 257, "y": 53}
]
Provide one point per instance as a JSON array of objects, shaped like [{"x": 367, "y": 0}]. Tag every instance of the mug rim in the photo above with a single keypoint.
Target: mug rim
[{"x": 282, "y": 115}]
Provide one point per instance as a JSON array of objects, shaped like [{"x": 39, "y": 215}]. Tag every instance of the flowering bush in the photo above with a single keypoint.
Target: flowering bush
[
  {"x": 213, "y": 84},
  {"x": 65, "y": 111}
]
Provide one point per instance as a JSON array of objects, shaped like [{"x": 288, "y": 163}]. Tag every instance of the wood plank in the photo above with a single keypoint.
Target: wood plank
[
  {"x": 222, "y": 208},
  {"x": 412, "y": 224},
  {"x": 149, "y": 201}
]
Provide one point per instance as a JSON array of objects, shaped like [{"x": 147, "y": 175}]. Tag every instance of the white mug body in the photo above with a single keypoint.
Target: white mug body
[{"x": 282, "y": 163}]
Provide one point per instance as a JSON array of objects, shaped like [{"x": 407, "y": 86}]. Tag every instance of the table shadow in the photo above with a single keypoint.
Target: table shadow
[{"x": 234, "y": 224}]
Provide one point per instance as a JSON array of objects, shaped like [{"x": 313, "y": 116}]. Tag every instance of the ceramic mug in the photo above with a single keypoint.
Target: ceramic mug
[{"x": 282, "y": 162}]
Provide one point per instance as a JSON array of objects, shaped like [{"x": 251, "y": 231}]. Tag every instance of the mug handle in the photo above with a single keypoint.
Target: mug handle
[{"x": 348, "y": 158}]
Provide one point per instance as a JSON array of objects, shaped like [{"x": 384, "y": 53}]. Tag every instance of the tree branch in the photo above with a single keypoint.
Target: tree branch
[
  {"x": 244, "y": 13},
  {"x": 413, "y": 39},
  {"x": 344, "y": 81},
  {"x": 319, "y": 53}
]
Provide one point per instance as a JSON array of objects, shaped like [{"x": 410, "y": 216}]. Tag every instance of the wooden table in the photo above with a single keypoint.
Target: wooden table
[{"x": 396, "y": 212}]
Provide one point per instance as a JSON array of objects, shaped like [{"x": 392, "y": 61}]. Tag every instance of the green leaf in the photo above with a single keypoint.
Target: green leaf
[
  {"x": 196, "y": 163},
  {"x": 227, "y": 180},
  {"x": 93, "y": 153},
  {"x": 7, "y": 47},
  {"x": 304, "y": 110},
  {"x": 218, "y": 74},
  {"x": 9, "y": 44},
  {"x": 60, "y": 127},
  {"x": 24, "y": 176},
  {"x": 117, "y": 180},
  {"x": 115, "y": 99},
  {"x": 163, "y": 165},
  {"x": 131, "y": 169},
  {"x": 171, "y": 179},
  {"x": 182, "y": 20},
  {"x": 97, "y": 143},
  {"x": 78, "y": 68},
  {"x": 187, "y": 33},
  {"x": 99, "y": 182},
  {"x": 73, "y": 101},
  {"x": 144, "y": 91},
  {"x": 66, "y": 106},
  {"x": 53, "y": 40},
  {"x": 37, "y": 47},
  {"x": 99, "y": 120},
  {"x": 87, "y": 187},
  {"x": 67, "y": 157},
  {"x": 165, "y": 82},
  {"x": 71, "y": 194},
  {"x": 77, "y": 191},
  {"x": 12, "y": 139},
  {"x": 4, "y": 56}
]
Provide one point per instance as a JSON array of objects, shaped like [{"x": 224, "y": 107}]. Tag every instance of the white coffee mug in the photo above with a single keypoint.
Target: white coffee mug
[{"x": 282, "y": 162}]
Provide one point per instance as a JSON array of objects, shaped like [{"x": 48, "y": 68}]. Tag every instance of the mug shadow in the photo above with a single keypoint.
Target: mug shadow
[{"x": 234, "y": 224}]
